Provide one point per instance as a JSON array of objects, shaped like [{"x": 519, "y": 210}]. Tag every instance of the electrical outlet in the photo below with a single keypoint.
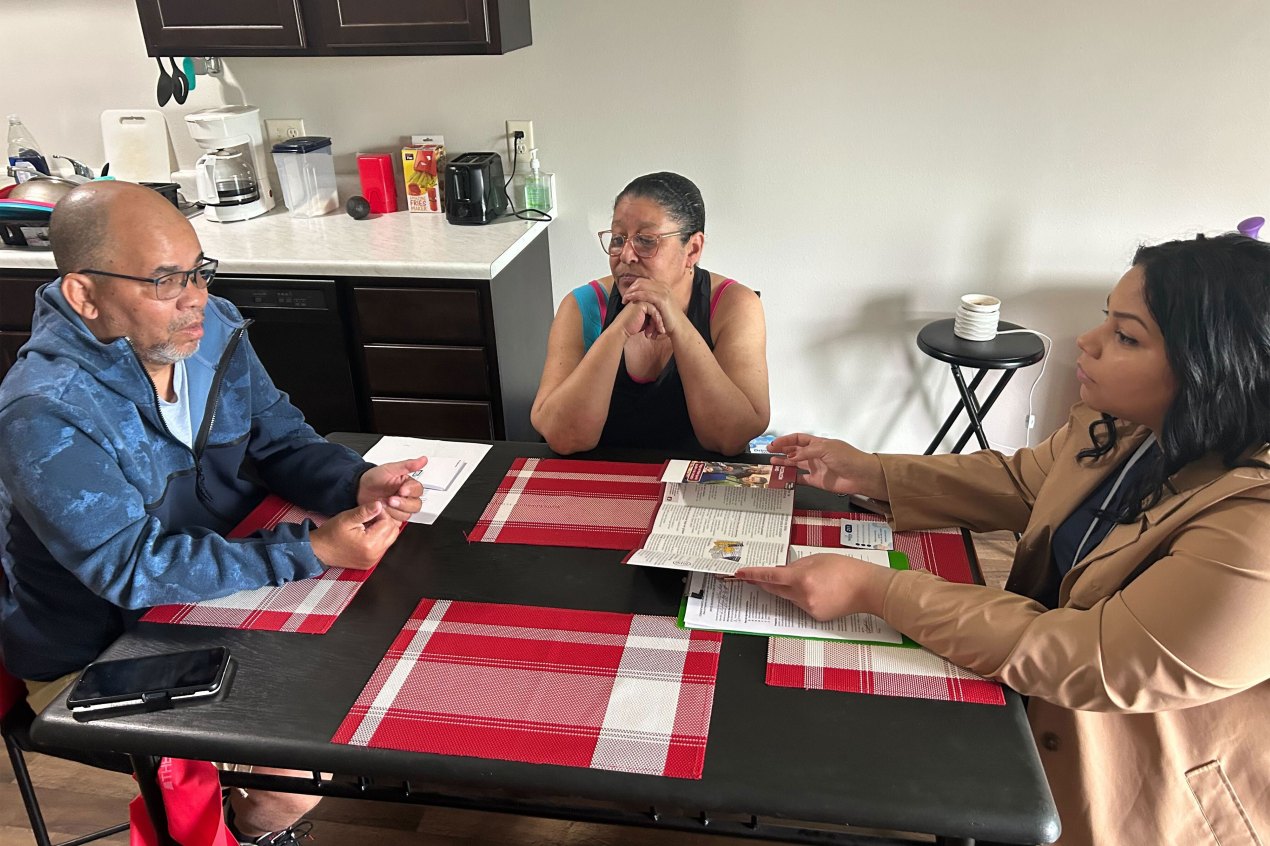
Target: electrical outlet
[
  {"x": 518, "y": 150},
  {"x": 281, "y": 129}
]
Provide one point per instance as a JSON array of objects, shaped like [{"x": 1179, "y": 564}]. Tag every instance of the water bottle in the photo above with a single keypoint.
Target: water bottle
[{"x": 23, "y": 151}]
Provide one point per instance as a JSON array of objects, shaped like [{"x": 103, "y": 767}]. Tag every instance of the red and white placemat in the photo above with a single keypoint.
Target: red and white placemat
[
  {"x": 595, "y": 689},
  {"x": 305, "y": 605},
  {"x": 566, "y": 502},
  {"x": 869, "y": 668}
]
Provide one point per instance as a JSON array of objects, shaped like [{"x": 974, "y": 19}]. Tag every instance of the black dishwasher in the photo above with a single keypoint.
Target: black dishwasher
[{"x": 300, "y": 336}]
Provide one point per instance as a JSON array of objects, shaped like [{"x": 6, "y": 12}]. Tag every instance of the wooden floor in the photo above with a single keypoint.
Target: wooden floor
[{"x": 77, "y": 799}]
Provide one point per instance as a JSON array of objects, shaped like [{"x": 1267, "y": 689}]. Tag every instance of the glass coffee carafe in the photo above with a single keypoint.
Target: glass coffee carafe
[{"x": 226, "y": 177}]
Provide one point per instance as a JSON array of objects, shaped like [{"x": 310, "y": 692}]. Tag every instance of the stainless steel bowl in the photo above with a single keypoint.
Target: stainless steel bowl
[{"x": 42, "y": 189}]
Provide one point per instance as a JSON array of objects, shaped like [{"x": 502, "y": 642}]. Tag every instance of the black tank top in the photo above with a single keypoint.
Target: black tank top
[{"x": 655, "y": 414}]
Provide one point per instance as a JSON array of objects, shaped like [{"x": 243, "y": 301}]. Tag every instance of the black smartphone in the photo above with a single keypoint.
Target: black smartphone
[{"x": 156, "y": 681}]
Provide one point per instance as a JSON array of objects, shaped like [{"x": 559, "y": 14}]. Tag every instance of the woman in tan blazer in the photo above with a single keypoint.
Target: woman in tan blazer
[{"x": 1137, "y": 612}]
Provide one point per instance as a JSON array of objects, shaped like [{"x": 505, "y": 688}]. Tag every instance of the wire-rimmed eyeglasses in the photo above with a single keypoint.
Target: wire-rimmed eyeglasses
[
  {"x": 644, "y": 244},
  {"x": 170, "y": 285}
]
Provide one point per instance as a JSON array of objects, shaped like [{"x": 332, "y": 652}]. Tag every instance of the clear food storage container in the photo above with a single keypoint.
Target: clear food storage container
[{"x": 307, "y": 173}]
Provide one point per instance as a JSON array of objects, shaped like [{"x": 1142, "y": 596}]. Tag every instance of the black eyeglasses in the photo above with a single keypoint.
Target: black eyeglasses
[
  {"x": 644, "y": 244},
  {"x": 170, "y": 285}
]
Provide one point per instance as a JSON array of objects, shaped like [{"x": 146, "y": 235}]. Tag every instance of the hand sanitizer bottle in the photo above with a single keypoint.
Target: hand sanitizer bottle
[{"x": 540, "y": 188}]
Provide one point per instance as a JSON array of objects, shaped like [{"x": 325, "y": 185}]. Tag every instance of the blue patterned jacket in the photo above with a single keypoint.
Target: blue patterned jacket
[{"x": 104, "y": 513}]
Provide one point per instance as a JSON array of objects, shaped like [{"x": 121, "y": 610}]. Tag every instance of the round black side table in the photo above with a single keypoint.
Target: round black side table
[{"x": 1004, "y": 352}]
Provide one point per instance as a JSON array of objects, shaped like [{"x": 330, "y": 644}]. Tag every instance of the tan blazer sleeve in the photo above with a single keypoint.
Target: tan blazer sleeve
[
  {"x": 983, "y": 491},
  {"x": 1191, "y": 629}
]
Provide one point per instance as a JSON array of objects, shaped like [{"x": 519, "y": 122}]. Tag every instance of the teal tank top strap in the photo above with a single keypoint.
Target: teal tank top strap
[{"x": 592, "y": 303}]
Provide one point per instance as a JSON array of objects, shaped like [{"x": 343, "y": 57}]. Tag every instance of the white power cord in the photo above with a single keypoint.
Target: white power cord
[{"x": 1048, "y": 345}]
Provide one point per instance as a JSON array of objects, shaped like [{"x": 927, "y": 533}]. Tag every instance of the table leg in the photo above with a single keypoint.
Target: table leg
[
  {"x": 943, "y": 430},
  {"x": 987, "y": 406},
  {"x": 146, "y": 769}
]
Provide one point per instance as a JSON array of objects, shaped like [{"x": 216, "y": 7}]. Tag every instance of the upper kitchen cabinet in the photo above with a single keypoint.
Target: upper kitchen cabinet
[
  {"x": 388, "y": 27},
  {"x": 334, "y": 27},
  {"x": 223, "y": 28}
]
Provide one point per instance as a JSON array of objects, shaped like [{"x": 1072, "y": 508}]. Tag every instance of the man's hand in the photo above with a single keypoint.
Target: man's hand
[
  {"x": 392, "y": 485},
  {"x": 831, "y": 465},
  {"x": 355, "y": 539},
  {"x": 826, "y": 586}
]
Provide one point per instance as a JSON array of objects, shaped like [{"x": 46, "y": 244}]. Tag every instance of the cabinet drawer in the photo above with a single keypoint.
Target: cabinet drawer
[
  {"x": 10, "y": 343},
  {"x": 432, "y": 418},
  {"x": 17, "y": 301},
  {"x": 410, "y": 371},
  {"x": 419, "y": 315}
]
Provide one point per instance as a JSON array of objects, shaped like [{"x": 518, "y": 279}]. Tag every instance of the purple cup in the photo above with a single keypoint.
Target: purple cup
[{"x": 1251, "y": 226}]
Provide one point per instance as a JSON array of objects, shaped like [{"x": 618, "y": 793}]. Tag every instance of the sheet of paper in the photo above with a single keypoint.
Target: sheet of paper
[
  {"x": 391, "y": 448},
  {"x": 727, "y": 605}
]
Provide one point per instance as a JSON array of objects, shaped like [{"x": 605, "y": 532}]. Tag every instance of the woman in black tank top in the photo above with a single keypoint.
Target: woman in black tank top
[{"x": 658, "y": 375}]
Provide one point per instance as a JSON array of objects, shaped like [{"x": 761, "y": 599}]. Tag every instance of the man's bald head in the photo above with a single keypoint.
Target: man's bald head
[{"x": 99, "y": 223}]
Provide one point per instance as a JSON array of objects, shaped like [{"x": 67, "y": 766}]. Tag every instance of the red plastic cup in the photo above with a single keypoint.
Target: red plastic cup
[{"x": 379, "y": 184}]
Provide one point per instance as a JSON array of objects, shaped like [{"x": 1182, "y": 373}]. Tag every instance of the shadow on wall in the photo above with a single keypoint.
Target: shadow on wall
[{"x": 877, "y": 382}]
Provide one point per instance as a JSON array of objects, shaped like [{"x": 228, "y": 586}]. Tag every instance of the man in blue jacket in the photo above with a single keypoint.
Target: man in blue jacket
[{"x": 138, "y": 428}]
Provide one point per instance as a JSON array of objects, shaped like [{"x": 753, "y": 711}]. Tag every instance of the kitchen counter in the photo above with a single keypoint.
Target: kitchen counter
[
  {"x": 400, "y": 244},
  {"x": 404, "y": 324}
]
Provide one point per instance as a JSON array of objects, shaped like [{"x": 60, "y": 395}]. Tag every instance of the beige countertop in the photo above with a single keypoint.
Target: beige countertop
[{"x": 399, "y": 244}]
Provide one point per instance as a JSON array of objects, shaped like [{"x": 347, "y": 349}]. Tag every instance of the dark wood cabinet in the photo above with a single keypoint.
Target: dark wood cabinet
[
  {"x": 425, "y": 358},
  {"x": 10, "y": 343},
  {"x": 17, "y": 306},
  {"x": 457, "y": 358},
  {"x": 223, "y": 28},
  {"x": 440, "y": 26},
  {"x": 333, "y": 27}
]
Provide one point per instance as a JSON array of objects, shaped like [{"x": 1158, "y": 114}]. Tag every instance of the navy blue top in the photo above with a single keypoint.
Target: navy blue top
[
  {"x": 655, "y": 414},
  {"x": 1070, "y": 533}
]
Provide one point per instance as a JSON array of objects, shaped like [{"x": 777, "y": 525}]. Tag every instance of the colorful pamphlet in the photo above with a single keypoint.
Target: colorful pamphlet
[{"x": 718, "y": 517}]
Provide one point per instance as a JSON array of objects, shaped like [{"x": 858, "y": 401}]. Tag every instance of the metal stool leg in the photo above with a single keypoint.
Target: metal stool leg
[
  {"x": 972, "y": 410},
  {"x": 23, "y": 777},
  {"x": 987, "y": 406},
  {"x": 943, "y": 430},
  {"x": 146, "y": 769}
]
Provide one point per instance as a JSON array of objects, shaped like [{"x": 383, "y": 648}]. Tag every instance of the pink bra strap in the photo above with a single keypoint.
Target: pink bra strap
[
  {"x": 723, "y": 286},
  {"x": 603, "y": 298}
]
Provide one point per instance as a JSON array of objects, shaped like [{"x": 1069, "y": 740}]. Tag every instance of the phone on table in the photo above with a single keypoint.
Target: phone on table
[{"x": 152, "y": 682}]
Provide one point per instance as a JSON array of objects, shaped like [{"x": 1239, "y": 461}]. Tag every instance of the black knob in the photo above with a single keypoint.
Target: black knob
[{"x": 357, "y": 207}]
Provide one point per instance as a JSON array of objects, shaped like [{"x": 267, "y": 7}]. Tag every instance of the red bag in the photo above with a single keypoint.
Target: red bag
[{"x": 192, "y": 797}]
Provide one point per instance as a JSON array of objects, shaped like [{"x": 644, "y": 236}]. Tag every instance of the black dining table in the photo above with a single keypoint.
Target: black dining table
[{"x": 811, "y": 766}]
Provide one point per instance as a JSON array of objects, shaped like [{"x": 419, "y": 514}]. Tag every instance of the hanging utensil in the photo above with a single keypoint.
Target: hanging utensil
[
  {"x": 164, "y": 90},
  {"x": 187, "y": 66},
  {"x": 180, "y": 85}
]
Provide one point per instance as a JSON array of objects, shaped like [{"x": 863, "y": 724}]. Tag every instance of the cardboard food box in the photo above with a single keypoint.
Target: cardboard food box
[{"x": 421, "y": 167}]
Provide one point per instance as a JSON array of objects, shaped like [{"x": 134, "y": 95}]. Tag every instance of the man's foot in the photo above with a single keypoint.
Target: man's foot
[{"x": 291, "y": 836}]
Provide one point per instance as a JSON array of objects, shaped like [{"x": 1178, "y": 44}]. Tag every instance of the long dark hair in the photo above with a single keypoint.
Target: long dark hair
[
  {"x": 676, "y": 194},
  {"x": 1211, "y": 299}
]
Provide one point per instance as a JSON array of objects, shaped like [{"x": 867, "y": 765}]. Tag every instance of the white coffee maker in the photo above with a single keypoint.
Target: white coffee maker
[{"x": 232, "y": 177}]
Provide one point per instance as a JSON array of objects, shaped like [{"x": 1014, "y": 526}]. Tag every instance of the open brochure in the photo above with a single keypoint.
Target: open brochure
[
  {"x": 717, "y": 517},
  {"x": 742, "y": 608}
]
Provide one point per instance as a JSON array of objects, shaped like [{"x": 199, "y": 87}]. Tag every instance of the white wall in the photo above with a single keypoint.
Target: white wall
[{"x": 863, "y": 162}]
